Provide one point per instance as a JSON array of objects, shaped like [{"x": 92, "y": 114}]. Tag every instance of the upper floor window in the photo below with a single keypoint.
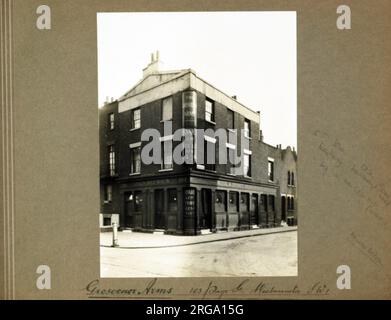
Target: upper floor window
[
  {"x": 292, "y": 179},
  {"x": 135, "y": 160},
  {"x": 247, "y": 165},
  {"x": 166, "y": 156},
  {"x": 167, "y": 109},
  {"x": 209, "y": 110},
  {"x": 289, "y": 178},
  {"x": 111, "y": 160},
  {"x": 231, "y": 156},
  {"x": 270, "y": 170},
  {"x": 136, "y": 118},
  {"x": 247, "y": 128},
  {"x": 111, "y": 121},
  {"x": 209, "y": 155},
  {"x": 230, "y": 119}
]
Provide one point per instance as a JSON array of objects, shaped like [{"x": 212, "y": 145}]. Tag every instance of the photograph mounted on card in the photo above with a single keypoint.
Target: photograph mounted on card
[{"x": 172, "y": 150}]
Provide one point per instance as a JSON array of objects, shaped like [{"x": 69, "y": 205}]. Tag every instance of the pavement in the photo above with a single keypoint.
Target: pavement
[
  {"x": 259, "y": 252},
  {"x": 139, "y": 240}
]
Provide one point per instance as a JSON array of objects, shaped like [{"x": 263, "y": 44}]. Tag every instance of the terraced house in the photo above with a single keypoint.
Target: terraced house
[{"x": 190, "y": 199}]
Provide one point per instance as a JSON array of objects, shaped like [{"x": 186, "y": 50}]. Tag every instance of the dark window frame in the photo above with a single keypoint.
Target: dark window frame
[
  {"x": 210, "y": 114},
  {"x": 112, "y": 164},
  {"x": 230, "y": 124},
  {"x": 111, "y": 120},
  {"x": 135, "y": 162},
  {"x": 135, "y": 123},
  {"x": 270, "y": 170},
  {"x": 166, "y": 166},
  {"x": 247, "y": 130},
  {"x": 162, "y": 108},
  {"x": 248, "y": 173}
]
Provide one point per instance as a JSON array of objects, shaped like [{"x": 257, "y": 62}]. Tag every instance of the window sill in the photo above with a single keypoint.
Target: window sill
[
  {"x": 134, "y": 174},
  {"x": 210, "y": 121},
  {"x": 271, "y": 181},
  {"x": 162, "y": 121},
  {"x": 106, "y": 202},
  {"x": 247, "y": 137},
  {"x": 200, "y": 166},
  {"x": 231, "y": 174},
  {"x": 165, "y": 170},
  {"x": 134, "y": 129}
]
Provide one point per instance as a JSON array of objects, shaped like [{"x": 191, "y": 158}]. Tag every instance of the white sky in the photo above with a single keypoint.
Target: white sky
[{"x": 248, "y": 54}]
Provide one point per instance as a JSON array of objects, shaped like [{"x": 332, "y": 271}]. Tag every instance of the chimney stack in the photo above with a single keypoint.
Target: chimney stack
[{"x": 154, "y": 65}]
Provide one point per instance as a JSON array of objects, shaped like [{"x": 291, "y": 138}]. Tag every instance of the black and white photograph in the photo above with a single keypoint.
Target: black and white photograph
[{"x": 198, "y": 144}]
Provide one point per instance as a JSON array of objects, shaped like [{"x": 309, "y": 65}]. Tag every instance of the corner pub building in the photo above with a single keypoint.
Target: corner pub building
[{"x": 189, "y": 199}]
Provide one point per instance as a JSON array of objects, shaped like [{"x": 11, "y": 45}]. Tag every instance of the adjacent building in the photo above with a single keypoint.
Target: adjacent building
[{"x": 190, "y": 199}]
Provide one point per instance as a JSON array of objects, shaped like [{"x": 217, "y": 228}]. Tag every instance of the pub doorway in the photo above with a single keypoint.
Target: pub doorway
[
  {"x": 129, "y": 210},
  {"x": 206, "y": 209},
  {"x": 160, "y": 216},
  {"x": 283, "y": 208},
  {"x": 254, "y": 210}
]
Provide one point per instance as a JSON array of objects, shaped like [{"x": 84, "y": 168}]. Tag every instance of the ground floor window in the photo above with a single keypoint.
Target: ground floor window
[
  {"x": 244, "y": 202},
  {"x": 220, "y": 201},
  {"x": 291, "y": 205},
  {"x": 138, "y": 200},
  {"x": 233, "y": 201}
]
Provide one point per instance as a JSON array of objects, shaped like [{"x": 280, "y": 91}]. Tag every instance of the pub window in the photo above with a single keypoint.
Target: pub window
[
  {"x": 244, "y": 202},
  {"x": 136, "y": 118},
  {"x": 220, "y": 201},
  {"x": 292, "y": 203},
  {"x": 209, "y": 110},
  {"x": 289, "y": 178},
  {"x": 111, "y": 160},
  {"x": 233, "y": 201},
  {"x": 138, "y": 201},
  {"x": 166, "y": 155},
  {"x": 108, "y": 193},
  {"x": 111, "y": 121},
  {"x": 270, "y": 170},
  {"x": 172, "y": 200},
  {"x": 247, "y": 128},
  {"x": 230, "y": 119},
  {"x": 167, "y": 109},
  {"x": 247, "y": 165},
  {"x": 292, "y": 179},
  {"x": 135, "y": 160}
]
